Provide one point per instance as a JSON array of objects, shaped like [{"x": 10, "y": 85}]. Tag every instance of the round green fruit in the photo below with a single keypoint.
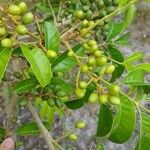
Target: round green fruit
[
  {"x": 7, "y": 42},
  {"x": 14, "y": 10},
  {"x": 114, "y": 90},
  {"x": 28, "y": 18},
  {"x": 91, "y": 61},
  {"x": 110, "y": 9},
  {"x": 115, "y": 2},
  {"x": 80, "y": 92},
  {"x": 103, "y": 99},
  {"x": 2, "y": 31},
  {"x": 110, "y": 69},
  {"x": 72, "y": 137},
  {"x": 22, "y": 6},
  {"x": 101, "y": 61},
  {"x": 79, "y": 14},
  {"x": 90, "y": 23},
  {"x": 114, "y": 100},
  {"x": 91, "y": 43},
  {"x": 83, "y": 31},
  {"x": 85, "y": 68},
  {"x": 51, "y": 54},
  {"x": 85, "y": 45},
  {"x": 94, "y": 48},
  {"x": 98, "y": 53},
  {"x": 82, "y": 84},
  {"x": 93, "y": 98},
  {"x": 21, "y": 29},
  {"x": 70, "y": 53},
  {"x": 80, "y": 124},
  {"x": 102, "y": 13},
  {"x": 85, "y": 23}
]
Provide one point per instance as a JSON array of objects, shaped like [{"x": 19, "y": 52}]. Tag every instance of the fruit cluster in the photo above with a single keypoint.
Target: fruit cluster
[{"x": 16, "y": 17}]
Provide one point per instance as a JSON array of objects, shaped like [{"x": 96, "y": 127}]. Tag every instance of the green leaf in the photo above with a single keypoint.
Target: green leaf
[
  {"x": 51, "y": 36},
  {"x": 66, "y": 87},
  {"x": 123, "y": 2},
  {"x": 135, "y": 77},
  {"x": 2, "y": 132},
  {"x": 144, "y": 138},
  {"x": 129, "y": 66},
  {"x": 25, "y": 86},
  {"x": 123, "y": 40},
  {"x": 43, "y": 109},
  {"x": 145, "y": 67},
  {"x": 105, "y": 121},
  {"x": 100, "y": 146},
  {"x": 124, "y": 121},
  {"x": 64, "y": 63},
  {"x": 78, "y": 103},
  {"x": 39, "y": 64},
  {"x": 116, "y": 55},
  {"x": 30, "y": 128},
  {"x": 134, "y": 57},
  {"x": 5, "y": 55}
]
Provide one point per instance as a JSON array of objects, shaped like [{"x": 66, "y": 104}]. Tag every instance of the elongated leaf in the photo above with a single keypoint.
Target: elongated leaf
[
  {"x": 134, "y": 57},
  {"x": 105, "y": 121},
  {"x": 123, "y": 2},
  {"x": 39, "y": 64},
  {"x": 65, "y": 63},
  {"x": 2, "y": 132},
  {"x": 43, "y": 110},
  {"x": 144, "y": 137},
  {"x": 145, "y": 67},
  {"x": 78, "y": 103},
  {"x": 25, "y": 85},
  {"x": 30, "y": 128},
  {"x": 116, "y": 55},
  {"x": 51, "y": 36},
  {"x": 4, "y": 59},
  {"x": 66, "y": 87},
  {"x": 124, "y": 121},
  {"x": 135, "y": 77}
]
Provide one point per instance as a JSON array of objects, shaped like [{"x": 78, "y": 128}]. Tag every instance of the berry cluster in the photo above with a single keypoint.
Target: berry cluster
[{"x": 18, "y": 18}]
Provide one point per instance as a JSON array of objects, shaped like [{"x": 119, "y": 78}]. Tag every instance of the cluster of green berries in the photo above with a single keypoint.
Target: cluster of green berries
[{"x": 20, "y": 18}]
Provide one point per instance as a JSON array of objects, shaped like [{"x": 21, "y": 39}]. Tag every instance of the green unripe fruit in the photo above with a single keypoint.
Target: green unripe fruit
[
  {"x": 64, "y": 99},
  {"x": 102, "y": 13},
  {"x": 115, "y": 2},
  {"x": 94, "y": 48},
  {"x": 86, "y": 46},
  {"x": 88, "y": 14},
  {"x": 51, "y": 54},
  {"x": 92, "y": 61},
  {"x": 7, "y": 42},
  {"x": 108, "y": 2},
  {"x": 82, "y": 84},
  {"x": 83, "y": 31},
  {"x": 85, "y": 68},
  {"x": 91, "y": 43},
  {"x": 80, "y": 92},
  {"x": 58, "y": 103},
  {"x": 85, "y": 23},
  {"x": 79, "y": 14},
  {"x": 110, "y": 69},
  {"x": 103, "y": 99},
  {"x": 14, "y": 10},
  {"x": 101, "y": 61},
  {"x": 114, "y": 100},
  {"x": 21, "y": 29},
  {"x": 110, "y": 9},
  {"x": 22, "y": 6},
  {"x": 72, "y": 137},
  {"x": 102, "y": 71},
  {"x": 93, "y": 98},
  {"x": 101, "y": 4},
  {"x": 84, "y": 2},
  {"x": 105, "y": 27},
  {"x": 98, "y": 53},
  {"x": 2, "y": 31},
  {"x": 51, "y": 102},
  {"x": 70, "y": 53},
  {"x": 28, "y": 18},
  {"x": 114, "y": 90},
  {"x": 61, "y": 93},
  {"x": 80, "y": 124},
  {"x": 90, "y": 23}
]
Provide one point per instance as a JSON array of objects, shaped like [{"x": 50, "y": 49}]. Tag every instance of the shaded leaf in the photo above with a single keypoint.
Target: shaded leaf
[{"x": 2, "y": 132}]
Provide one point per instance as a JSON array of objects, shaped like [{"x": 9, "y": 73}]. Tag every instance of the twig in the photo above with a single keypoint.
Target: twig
[{"x": 46, "y": 135}]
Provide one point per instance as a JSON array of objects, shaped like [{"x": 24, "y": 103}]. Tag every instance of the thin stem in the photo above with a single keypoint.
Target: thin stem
[{"x": 46, "y": 135}]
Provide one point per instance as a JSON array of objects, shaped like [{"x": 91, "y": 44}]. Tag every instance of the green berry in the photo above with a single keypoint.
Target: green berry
[
  {"x": 103, "y": 99},
  {"x": 83, "y": 31},
  {"x": 82, "y": 84},
  {"x": 90, "y": 23},
  {"x": 85, "y": 68},
  {"x": 79, "y": 14},
  {"x": 91, "y": 43},
  {"x": 114, "y": 90},
  {"x": 101, "y": 4},
  {"x": 93, "y": 98},
  {"x": 28, "y": 18},
  {"x": 7, "y": 42},
  {"x": 22, "y": 6},
  {"x": 51, "y": 54},
  {"x": 92, "y": 61},
  {"x": 102, "y": 71},
  {"x": 115, "y": 2},
  {"x": 14, "y": 10},
  {"x": 114, "y": 100},
  {"x": 61, "y": 93},
  {"x": 80, "y": 124},
  {"x": 80, "y": 92},
  {"x": 70, "y": 53},
  {"x": 21, "y": 29},
  {"x": 89, "y": 15},
  {"x": 85, "y": 23},
  {"x": 94, "y": 48},
  {"x": 72, "y": 137},
  {"x": 101, "y": 61},
  {"x": 110, "y": 9},
  {"x": 102, "y": 13},
  {"x": 2, "y": 31},
  {"x": 98, "y": 53},
  {"x": 86, "y": 46},
  {"x": 110, "y": 69}
]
